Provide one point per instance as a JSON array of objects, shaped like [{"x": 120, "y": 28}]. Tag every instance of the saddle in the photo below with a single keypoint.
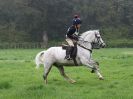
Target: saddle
[{"x": 73, "y": 52}]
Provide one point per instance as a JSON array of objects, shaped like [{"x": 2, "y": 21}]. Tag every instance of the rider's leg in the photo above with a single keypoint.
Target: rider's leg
[
  {"x": 74, "y": 50},
  {"x": 69, "y": 49},
  {"x": 68, "y": 52}
]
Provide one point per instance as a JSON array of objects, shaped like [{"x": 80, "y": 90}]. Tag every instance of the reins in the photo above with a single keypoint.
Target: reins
[
  {"x": 85, "y": 47},
  {"x": 83, "y": 41}
]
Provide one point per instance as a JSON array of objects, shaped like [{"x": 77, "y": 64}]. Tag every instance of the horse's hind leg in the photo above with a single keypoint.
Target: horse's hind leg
[
  {"x": 61, "y": 69},
  {"x": 47, "y": 69}
]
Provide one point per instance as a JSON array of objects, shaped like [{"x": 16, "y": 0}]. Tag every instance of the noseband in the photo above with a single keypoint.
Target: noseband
[{"x": 99, "y": 44}]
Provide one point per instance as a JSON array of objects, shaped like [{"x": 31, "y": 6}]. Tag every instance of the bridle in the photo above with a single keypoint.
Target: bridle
[
  {"x": 92, "y": 43},
  {"x": 98, "y": 37}
]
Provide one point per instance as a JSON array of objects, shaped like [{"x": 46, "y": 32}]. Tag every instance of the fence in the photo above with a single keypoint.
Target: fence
[
  {"x": 22, "y": 45},
  {"x": 28, "y": 45}
]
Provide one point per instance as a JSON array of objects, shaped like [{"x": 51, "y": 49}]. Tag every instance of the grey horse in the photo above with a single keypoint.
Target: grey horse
[{"x": 55, "y": 56}]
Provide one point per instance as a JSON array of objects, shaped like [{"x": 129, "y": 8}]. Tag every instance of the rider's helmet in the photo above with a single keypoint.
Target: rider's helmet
[{"x": 76, "y": 20}]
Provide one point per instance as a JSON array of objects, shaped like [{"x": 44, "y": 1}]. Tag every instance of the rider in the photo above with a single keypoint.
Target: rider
[{"x": 72, "y": 35}]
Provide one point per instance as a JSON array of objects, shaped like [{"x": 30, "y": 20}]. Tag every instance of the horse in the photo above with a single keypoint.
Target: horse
[{"x": 55, "y": 56}]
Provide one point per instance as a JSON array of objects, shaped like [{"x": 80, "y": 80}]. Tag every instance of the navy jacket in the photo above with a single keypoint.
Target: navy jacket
[{"x": 71, "y": 30}]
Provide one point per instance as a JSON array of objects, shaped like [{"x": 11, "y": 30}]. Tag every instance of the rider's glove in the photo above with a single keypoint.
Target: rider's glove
[
  {"x": 76, "y": 37},
  {"x": 76, "y": 33}
]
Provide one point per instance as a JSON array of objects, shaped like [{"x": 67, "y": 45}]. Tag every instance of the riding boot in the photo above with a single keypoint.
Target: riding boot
[
  {"x": 73, "y": 52},
  {"x": 68, "y": 52}
]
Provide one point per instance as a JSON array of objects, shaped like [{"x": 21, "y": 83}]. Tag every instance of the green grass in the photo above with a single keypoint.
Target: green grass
[{"x": 20, "y": 80}]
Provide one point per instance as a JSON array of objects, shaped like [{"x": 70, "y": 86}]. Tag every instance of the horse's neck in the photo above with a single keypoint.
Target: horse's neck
[
  {"x": 85, "y": 45},
  {"x": 83, "y": 52},
  {"x": 86, "y": 39},
  {"x": 88, "y": 36}
]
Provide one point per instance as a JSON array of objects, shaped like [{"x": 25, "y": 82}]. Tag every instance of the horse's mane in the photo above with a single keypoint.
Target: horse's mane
[{"x": 84, "y": 34}]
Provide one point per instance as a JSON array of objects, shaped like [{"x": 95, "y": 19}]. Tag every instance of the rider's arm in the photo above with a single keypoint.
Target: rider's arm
[{"x": 77, "y": 31}]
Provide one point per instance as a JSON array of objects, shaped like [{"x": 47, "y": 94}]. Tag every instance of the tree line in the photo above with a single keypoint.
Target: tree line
[{"x": 43, "y": 20}]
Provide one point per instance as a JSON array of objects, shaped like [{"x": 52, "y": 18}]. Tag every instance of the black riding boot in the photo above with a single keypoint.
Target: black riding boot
[{"x": 68, "y": 52}]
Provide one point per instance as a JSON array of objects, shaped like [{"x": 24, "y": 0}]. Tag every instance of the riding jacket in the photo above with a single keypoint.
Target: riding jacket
[{"x": 72, "y": 32}]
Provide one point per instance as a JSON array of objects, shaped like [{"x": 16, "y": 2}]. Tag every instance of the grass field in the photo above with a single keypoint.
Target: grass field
[{"x": 20, "y": 80}]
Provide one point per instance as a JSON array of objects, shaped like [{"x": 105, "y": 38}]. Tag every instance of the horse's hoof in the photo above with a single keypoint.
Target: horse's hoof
[
  {"x": 92, "y": 71},
  {"x": 73, "y": 81},
  {"x": 45, "y": 82},
  {"x": 101, "y": 78}
]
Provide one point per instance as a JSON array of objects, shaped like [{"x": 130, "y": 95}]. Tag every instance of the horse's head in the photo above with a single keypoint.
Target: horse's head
[
  {"x": 93, "y": 37},
  {"x": 98, "y": 41}
]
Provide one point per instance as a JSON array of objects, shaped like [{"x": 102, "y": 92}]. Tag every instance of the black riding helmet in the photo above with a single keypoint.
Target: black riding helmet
[{"x": 76, "y": 20}]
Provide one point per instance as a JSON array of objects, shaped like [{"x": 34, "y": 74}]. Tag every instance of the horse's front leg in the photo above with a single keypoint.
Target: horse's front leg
[
  {"x": 99, "y": 74},
  {"x": 94, "y": 66},
  {"x": 96, "y": 69}
]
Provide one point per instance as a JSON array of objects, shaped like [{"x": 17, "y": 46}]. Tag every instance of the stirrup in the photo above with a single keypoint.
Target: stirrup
[{"x": 68, "y": 57}]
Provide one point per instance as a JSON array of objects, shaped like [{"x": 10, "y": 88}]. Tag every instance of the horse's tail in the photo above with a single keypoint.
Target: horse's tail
[{"x": 39, "y": 59}]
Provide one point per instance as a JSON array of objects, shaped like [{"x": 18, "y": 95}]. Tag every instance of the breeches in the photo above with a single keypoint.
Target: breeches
[{"x": 70, "y": 41}]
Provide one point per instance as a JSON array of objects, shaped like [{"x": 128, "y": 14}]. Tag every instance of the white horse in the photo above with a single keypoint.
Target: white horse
[{"x": 56, "y": 55}]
